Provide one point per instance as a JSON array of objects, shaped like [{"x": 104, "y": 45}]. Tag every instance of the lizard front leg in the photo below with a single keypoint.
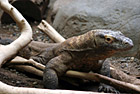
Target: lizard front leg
[
  {"x": 105, "y": 70},
  {"x": 54, "y": 69}
]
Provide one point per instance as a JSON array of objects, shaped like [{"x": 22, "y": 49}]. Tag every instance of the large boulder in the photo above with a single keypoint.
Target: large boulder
[{"x": 78, "y": 17}]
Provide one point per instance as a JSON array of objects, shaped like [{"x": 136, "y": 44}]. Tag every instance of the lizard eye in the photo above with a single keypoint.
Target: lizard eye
[{"x": 109, "y": 39}]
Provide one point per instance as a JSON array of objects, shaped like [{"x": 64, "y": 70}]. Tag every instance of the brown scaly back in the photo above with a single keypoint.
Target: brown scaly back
[
  {"x": 80, "y": 43},
  {"x": 97, "y": 39}
]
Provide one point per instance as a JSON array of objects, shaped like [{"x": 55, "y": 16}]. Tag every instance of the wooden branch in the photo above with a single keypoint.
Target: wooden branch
[
  {"x": 28, "y": 69},
  {"x": 19, "y": 60},
  {"x": 7, "y": 89},
  {"x": 104, "y": 79},
  {"x": 50, "y": 31},
  {"x": 8, "y": 51},
  {"x": 121, "y": 76}
]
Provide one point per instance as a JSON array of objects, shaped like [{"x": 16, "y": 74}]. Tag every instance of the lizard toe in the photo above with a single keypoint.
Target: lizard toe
[{"x": 107, "y": 89}]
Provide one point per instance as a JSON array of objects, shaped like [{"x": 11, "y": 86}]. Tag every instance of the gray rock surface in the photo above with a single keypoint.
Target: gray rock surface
[{"x": 80, "y": 16}]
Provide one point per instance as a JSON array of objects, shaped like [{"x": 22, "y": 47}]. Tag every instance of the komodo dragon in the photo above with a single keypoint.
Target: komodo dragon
[{"x": 82, "y": 53}]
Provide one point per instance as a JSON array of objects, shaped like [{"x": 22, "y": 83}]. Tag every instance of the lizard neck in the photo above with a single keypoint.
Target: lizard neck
[{"x": 83, "y": 41}]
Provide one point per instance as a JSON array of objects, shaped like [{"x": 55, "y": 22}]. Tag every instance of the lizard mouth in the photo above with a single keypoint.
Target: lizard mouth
[{"x": 127, "y": 47}]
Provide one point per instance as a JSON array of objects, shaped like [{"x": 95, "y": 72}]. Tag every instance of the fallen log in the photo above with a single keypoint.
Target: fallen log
[
  {"x": 33, "y": 10},
  {"x": 28, "y": 69},
  {"x": 22, "y": 61}
]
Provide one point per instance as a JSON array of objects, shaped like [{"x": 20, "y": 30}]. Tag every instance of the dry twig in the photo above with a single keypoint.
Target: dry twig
[
  {"x": 8, "y": 51},
  {"x": 50, "y": 31},
  {"x": 6, "y": 89},
  {"x": 19, "y": 60}
]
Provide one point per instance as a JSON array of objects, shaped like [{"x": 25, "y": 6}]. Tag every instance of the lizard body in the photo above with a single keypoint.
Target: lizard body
[{"x": 82, "y": 53}]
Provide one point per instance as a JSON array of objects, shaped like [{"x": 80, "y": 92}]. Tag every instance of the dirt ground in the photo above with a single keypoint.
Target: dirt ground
[{"x": 12, "y": 76}]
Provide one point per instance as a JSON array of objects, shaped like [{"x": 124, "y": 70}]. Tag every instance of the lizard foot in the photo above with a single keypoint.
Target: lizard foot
[
  {"x": 107, "y": 89},
  {"x": 50, "y": 79}
]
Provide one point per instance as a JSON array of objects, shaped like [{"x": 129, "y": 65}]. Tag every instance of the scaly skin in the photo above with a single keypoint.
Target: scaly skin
[{"x": 82, "y": 53}]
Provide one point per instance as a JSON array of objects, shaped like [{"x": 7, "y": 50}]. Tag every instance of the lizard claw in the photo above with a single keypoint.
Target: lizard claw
[{"x": 107, "y": 89}]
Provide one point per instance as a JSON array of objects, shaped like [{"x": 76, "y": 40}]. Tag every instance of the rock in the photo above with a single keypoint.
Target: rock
[
  {"x": 35, "y": 83},
  {"x": 51, "y": 3},
  {"x": 58, "y": 4},
  {"x": 77, "y": 17},
  {"x": 53, "y": 7}
]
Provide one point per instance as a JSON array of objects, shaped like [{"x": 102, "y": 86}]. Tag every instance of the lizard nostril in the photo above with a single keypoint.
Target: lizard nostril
[
  {"x": 126, "y": 43},
  {"x": 108, "y": 39},
  {"x": 129, "y": 44}
]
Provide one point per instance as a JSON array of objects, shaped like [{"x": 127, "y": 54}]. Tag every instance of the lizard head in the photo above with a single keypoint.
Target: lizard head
[{"x": 112, "y": 40}]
